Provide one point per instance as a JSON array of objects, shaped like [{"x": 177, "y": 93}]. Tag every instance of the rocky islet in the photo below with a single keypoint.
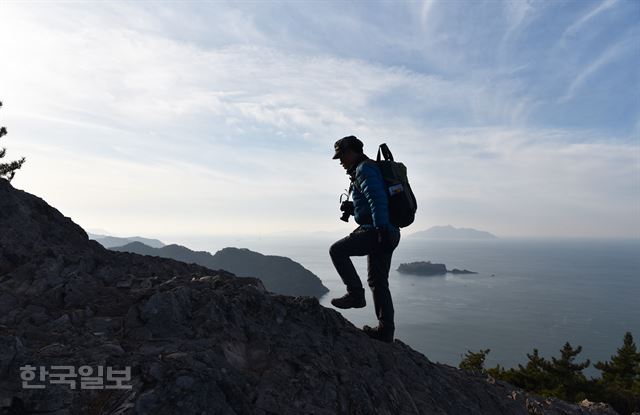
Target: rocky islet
[{"x": 427, "y": 269}]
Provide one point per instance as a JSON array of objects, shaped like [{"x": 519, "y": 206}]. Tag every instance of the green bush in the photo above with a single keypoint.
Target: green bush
[{"x": 562, "y": 377}]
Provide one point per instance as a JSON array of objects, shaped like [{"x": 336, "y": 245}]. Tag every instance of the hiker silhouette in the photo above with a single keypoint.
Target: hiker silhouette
[{"x": 376, "y": 237}]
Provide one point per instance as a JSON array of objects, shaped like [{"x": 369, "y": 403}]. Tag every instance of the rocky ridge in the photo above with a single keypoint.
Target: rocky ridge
[{"x": 200, "y": 341}]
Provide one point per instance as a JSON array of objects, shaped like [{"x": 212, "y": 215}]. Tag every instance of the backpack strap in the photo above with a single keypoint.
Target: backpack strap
[{"x": 384, "y": 149}]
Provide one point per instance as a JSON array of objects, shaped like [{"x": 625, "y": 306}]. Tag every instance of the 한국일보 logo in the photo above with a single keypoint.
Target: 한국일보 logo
[{"x": 83, "y": 377}]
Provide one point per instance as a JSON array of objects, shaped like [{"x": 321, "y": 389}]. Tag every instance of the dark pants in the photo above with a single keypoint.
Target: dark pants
[{"x": 365, "y": 242}]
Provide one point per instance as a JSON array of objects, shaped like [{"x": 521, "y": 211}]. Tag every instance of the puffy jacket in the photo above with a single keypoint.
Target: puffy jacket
[{"x": 368, "y": 192}]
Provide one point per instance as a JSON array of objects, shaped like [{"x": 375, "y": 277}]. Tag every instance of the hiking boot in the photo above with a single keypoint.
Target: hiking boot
[
  {"x": 379, "y": 333},
  {"x": 349, "y": 301}
]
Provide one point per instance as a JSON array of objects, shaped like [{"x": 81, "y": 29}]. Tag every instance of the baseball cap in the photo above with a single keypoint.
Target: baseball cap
[{"x": 349, "y": 142}]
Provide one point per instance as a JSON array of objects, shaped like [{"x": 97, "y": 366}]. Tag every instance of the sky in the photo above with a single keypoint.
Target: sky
[{"x": 521, "y": 118}]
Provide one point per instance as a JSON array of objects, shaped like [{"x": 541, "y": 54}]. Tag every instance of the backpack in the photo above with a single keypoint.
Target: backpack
[{"x": 402, "y": 201}]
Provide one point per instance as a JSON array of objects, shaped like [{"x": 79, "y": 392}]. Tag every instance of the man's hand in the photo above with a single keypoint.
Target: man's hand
[{"x": 347, "y": 207}]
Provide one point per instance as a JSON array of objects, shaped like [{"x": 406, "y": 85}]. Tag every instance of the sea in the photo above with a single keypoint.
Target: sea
[{"x": 527, "y": 293}]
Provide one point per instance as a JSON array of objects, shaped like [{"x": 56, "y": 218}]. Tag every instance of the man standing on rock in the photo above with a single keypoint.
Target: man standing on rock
[{"x": 376, "y": 237}]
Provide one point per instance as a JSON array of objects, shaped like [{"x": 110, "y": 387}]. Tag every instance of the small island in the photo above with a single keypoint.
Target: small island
[{"x": 428, "y": 269}]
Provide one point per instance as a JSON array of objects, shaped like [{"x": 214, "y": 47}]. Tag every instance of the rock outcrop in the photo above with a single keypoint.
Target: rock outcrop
[
  {"x": 278, "y": 274},
  {"x": 428, "y": 269},
  {"x": 199, "y": 341}
]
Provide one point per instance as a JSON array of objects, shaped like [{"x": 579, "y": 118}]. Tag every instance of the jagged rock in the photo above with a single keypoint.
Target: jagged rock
[
  {"x": 11, "y": 348},
  {"x": 202, "y": 341},
  {"x": 461, "y": 271}
]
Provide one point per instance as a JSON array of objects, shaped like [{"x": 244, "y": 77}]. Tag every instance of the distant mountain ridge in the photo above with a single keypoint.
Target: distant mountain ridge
[
  {"x": 450, "y": 232},
  {"x": 279, "y": 274},
  {"x": 114, "y": 241}
]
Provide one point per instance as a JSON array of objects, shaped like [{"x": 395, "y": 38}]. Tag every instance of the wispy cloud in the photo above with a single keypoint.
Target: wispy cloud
[
  {"x": 425, "y": 11},
  {"x": 606, "y": 57},
  {"x": 518, "y": 15},
  {"x": 143, "y": 81},
  {"x": 220, "y": 128},
  {"x": 588, "y": 16}
]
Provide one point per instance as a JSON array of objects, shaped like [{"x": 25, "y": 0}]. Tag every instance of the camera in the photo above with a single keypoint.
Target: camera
[{"x": 346, "y": 208}]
